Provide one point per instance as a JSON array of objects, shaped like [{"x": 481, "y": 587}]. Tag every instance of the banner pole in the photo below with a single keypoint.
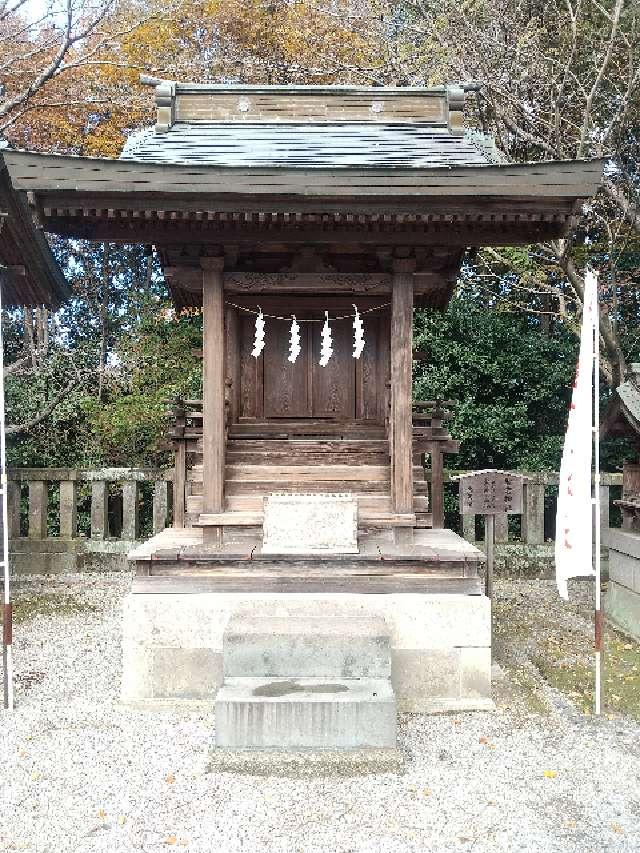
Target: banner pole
[
  {"x": 7, "y": 657},
  {"x": 598, "y": 618}
]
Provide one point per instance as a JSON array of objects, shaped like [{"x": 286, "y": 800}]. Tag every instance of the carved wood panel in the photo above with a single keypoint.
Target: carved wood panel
[
  {"x": 250, "y": 370},
  {"x": 334, "y": 386},
  {"x": 286, "y": 385},
  {"x": 346, "y": 389}
]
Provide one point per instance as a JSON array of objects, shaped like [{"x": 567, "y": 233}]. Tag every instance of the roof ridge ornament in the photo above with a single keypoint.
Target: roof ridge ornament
[
  {"x": 455, "y": 108},
  {"x": 165, "y": 101}
]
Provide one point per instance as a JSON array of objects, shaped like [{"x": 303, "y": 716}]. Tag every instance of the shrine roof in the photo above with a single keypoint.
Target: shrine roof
[
  {"x": 622, "y": 417},
  {"x": 334, "y": 144},
  {"x": 267, "y": 169},
  {"x": 309, "y": 127}
]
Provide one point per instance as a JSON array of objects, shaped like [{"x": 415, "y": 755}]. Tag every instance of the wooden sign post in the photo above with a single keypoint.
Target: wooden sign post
[{"x": 490, "y": 493}]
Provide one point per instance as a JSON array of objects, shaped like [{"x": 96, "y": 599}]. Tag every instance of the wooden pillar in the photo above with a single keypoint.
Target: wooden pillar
[
  {"x": 213, "y": 386},
  {"x": 437, "y": 486},
  {"x": 232, "y": 361},
  {"x": 179, "y": 465},
  {"x": 401, "y": 426}
]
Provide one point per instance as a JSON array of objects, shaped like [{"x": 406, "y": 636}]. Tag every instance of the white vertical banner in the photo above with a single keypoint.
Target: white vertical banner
[
  {"x": 574, "y": 519},
  {"x": 7, "y": 649}
]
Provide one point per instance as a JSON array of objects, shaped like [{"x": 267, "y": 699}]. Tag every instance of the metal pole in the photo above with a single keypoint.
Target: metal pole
[
  {"x": 489, "y": 539},
  {"x": 598, "y": 616},
  {"x": 7, "y": 658}
]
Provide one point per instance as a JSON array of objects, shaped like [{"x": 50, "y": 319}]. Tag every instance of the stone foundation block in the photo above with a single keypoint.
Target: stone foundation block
[
  {"x": 316, "y": 647},
  {"x": 622, "y": 607},
  {"x": 440, "y": 644},
  {"x": 305, "y": 713}
]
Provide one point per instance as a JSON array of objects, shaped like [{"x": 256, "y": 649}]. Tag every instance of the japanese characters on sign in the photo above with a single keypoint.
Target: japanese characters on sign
[{"x": 490, "y": 493}]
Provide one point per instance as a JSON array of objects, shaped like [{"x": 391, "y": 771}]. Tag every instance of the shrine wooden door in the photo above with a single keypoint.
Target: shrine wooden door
[
  {"x": 346, "y": 389},
  {"x": 305, "y": 389},
  {"x": 333, "y": 388}
]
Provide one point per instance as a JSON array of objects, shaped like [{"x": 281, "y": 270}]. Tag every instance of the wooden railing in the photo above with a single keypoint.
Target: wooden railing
[{"x": 431, "y": 441}]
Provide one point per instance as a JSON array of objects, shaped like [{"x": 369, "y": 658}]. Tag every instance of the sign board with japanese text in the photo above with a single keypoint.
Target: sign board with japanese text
[{"x": 490, "y": 493}]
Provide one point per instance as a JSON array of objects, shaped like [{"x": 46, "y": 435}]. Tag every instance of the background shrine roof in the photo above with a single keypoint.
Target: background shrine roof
[
  {"x": 622, "y": 417},
  {"x": 309, "y": 127},
  {"x": 29, "y": 274}
]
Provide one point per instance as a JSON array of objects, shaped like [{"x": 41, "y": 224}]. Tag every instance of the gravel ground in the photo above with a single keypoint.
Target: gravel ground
[{"x": 79, "y": 773}]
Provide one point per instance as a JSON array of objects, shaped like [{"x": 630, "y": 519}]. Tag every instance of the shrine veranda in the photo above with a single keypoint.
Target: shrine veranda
[{"x": 321, "y": 203}]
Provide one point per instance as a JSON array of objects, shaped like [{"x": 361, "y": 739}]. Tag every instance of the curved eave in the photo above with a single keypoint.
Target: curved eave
[
  {"x": 128, "y": 201},
  {"x": 29, "y": 273},
  {"x": 54, "y": 174}
]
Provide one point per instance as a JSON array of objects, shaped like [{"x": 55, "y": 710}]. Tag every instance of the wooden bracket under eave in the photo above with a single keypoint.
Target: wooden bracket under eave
[
  {"x": 37, "y": 213},
  {"x": 185, "y": 278}
]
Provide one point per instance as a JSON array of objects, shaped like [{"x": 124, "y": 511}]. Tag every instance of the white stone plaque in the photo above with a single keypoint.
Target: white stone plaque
[{"x": 310, "y": 524}]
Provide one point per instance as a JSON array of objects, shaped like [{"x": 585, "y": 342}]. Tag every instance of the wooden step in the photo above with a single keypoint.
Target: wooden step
[
  {"x": 362, "y": 429},
  {"x": 267, "y": 487},
  {"x": 231, "y": 519},
  {"x": 323, "y": 445},
  {"x": 311, "y": 473},
  {"x": 292, "y": 457},
  {"x": 253, "y": 503}
]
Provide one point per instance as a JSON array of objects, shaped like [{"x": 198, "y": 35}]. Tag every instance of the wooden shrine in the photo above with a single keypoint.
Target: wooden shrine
[
  {"x": 622, "y": 419},
  {"x": 306, "y": 201}
]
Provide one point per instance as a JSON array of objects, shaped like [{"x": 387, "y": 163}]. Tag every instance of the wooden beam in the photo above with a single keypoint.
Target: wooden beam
[
  {"x": 170, "y": 233},
  {"x": 243, "y": 283},
  {"x": 401, "y": 378},
  {"x": 213, "y": 385}
]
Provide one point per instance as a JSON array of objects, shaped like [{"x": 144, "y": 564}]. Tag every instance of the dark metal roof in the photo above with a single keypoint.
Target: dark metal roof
[
  {"x": 622, "y": 417},
  {"x": 339, "y": 144},
  {"x": 29, "y": 273}
]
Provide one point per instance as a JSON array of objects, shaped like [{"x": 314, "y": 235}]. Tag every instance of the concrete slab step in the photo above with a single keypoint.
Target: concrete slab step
[
  {"x": 313, "y": 647},
  {"x": 309, "y": 713}
]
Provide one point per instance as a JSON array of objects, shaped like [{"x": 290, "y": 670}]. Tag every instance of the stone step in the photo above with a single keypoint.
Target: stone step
[
  {"x": 313, "y": 647},
  {"x": 305, "y": 713}
]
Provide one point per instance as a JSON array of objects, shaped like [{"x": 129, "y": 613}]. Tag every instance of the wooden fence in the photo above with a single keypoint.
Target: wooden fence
[
  {"x": 539, "y": 497},
  {"x": 63, "y": 519}
]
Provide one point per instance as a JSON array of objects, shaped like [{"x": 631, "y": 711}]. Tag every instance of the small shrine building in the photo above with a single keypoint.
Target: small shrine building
[
  {"x": 336, "y": 206},
  {"x": 622, "y": 420}
]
